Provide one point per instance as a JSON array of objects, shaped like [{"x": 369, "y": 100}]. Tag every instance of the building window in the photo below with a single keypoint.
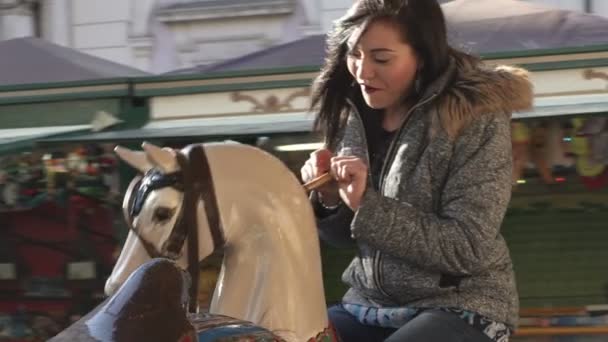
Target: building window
[{"x": 36, "y": 10}]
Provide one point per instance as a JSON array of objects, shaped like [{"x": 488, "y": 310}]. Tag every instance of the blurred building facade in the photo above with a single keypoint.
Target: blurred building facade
[{"x": 163, "y": 35}]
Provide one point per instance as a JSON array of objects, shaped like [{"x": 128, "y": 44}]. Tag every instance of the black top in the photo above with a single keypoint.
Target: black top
[{"x": 377, "y": 154}]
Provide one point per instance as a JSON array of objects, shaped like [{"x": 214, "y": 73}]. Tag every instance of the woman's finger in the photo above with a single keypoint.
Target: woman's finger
[
  {"x": 320, "y": 160},
  {"x": 321, "y": 157},
  {"x": 335, "y": 170},
  {"x": 307, "y": 171},
  {"x": 345, "y": 171},
  {"x": 342, "y": 170}
]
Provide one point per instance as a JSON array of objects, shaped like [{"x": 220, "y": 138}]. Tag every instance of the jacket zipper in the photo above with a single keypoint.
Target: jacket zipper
[
  {"x": 389, "y": 156},
  {"x": 377, "y": 259}
]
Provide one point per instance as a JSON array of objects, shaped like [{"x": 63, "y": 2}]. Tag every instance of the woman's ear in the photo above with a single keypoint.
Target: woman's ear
[
  {"x": 418, "y": 79},
  {"x": 419, "y": 62}
]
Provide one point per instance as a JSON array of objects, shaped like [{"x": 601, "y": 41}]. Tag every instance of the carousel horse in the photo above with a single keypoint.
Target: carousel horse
[{"x": 238, "y": 198}]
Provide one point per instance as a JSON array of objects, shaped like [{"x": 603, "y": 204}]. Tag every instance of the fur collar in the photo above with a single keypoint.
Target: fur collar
[{"x": 471, "y": 90}]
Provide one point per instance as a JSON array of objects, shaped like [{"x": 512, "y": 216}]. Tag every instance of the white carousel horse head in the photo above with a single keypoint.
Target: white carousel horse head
[{"x": 271, "y": 272}]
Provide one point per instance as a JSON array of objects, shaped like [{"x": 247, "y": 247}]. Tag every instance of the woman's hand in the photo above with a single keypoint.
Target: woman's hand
[
  {"x": 351, "y": 174},
  {"x": 318, "y": 164}
]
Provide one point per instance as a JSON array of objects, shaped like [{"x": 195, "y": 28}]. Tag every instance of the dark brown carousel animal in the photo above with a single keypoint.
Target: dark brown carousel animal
[{"x": 150, "y": 307}]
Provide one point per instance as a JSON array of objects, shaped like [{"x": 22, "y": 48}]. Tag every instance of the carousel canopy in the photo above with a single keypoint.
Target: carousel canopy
[
  {"x": 478, "y": 26},
  {"x": 32, "y": 60},
  {"x": 490, "y": 26}
]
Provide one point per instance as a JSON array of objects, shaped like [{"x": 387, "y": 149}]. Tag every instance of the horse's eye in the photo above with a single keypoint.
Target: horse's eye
[{"x": 163, "y": 214}]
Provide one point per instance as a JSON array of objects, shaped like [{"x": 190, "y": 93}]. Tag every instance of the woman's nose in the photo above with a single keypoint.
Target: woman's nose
[{"x": 365, "y": 70}]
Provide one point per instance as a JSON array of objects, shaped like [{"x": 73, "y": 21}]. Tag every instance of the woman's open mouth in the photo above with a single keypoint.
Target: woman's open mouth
[{"x": 369, "y": 90}]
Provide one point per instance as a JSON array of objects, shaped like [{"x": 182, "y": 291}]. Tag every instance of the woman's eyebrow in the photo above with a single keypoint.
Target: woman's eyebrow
[{"x": 382, "y": 50}]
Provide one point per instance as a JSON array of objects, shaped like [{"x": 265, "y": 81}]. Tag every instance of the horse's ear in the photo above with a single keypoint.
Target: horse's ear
[
  {"x": 136, "y": 159},
  {"x": 163, "y": 158}
]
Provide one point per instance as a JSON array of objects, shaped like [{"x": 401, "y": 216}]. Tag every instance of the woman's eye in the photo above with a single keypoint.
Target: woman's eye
[
  {"x": 163, "y": 214},
  {"x": 381, "y": 58}
]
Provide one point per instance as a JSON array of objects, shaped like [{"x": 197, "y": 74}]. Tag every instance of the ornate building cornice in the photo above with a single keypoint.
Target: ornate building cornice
[
  {"x": 16, "y": 7},
  {"x": 216, "y": 9}
]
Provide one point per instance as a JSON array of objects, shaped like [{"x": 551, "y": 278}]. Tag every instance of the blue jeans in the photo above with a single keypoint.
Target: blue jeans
[{"x": 429, "y": 326}]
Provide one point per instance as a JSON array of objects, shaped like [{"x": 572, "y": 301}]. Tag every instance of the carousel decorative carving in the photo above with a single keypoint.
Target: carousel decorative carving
[
  {"x": 590, "y": 74},
  {"x": 272, "y": 103}
]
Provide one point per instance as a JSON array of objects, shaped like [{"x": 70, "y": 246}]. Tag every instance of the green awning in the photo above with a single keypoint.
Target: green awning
[
  {"x": 23, "y": 139},
  {"x": 233, "y": 127},
  {"x": 207, "y": 128},
  {"x": 566, "y": 105}
]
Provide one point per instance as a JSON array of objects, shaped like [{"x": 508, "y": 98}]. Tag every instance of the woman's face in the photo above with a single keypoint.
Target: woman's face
[{"x": 383, "y": 65}]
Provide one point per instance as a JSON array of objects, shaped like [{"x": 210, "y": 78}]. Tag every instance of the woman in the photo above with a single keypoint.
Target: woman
[{"x": 418, "y": 138}]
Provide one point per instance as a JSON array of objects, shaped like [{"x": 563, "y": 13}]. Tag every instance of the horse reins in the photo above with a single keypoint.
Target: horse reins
[{"x": 197, "y": 185}]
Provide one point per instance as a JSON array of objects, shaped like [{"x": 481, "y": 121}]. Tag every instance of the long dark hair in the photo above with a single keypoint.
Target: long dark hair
[{"x": 423, "y": 27}]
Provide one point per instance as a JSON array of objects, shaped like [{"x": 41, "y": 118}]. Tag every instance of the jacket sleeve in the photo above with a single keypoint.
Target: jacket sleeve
[
  {"x": 333, "y": 225},
  {"x": 459, "y": 238}
]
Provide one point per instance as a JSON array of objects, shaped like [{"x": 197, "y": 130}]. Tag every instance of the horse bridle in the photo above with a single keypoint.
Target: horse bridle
[{"x": 197, "y": 182}]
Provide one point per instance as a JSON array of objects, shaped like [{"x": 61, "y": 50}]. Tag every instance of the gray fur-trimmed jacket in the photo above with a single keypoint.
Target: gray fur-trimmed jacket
[{"x": 430, "y": 237}]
